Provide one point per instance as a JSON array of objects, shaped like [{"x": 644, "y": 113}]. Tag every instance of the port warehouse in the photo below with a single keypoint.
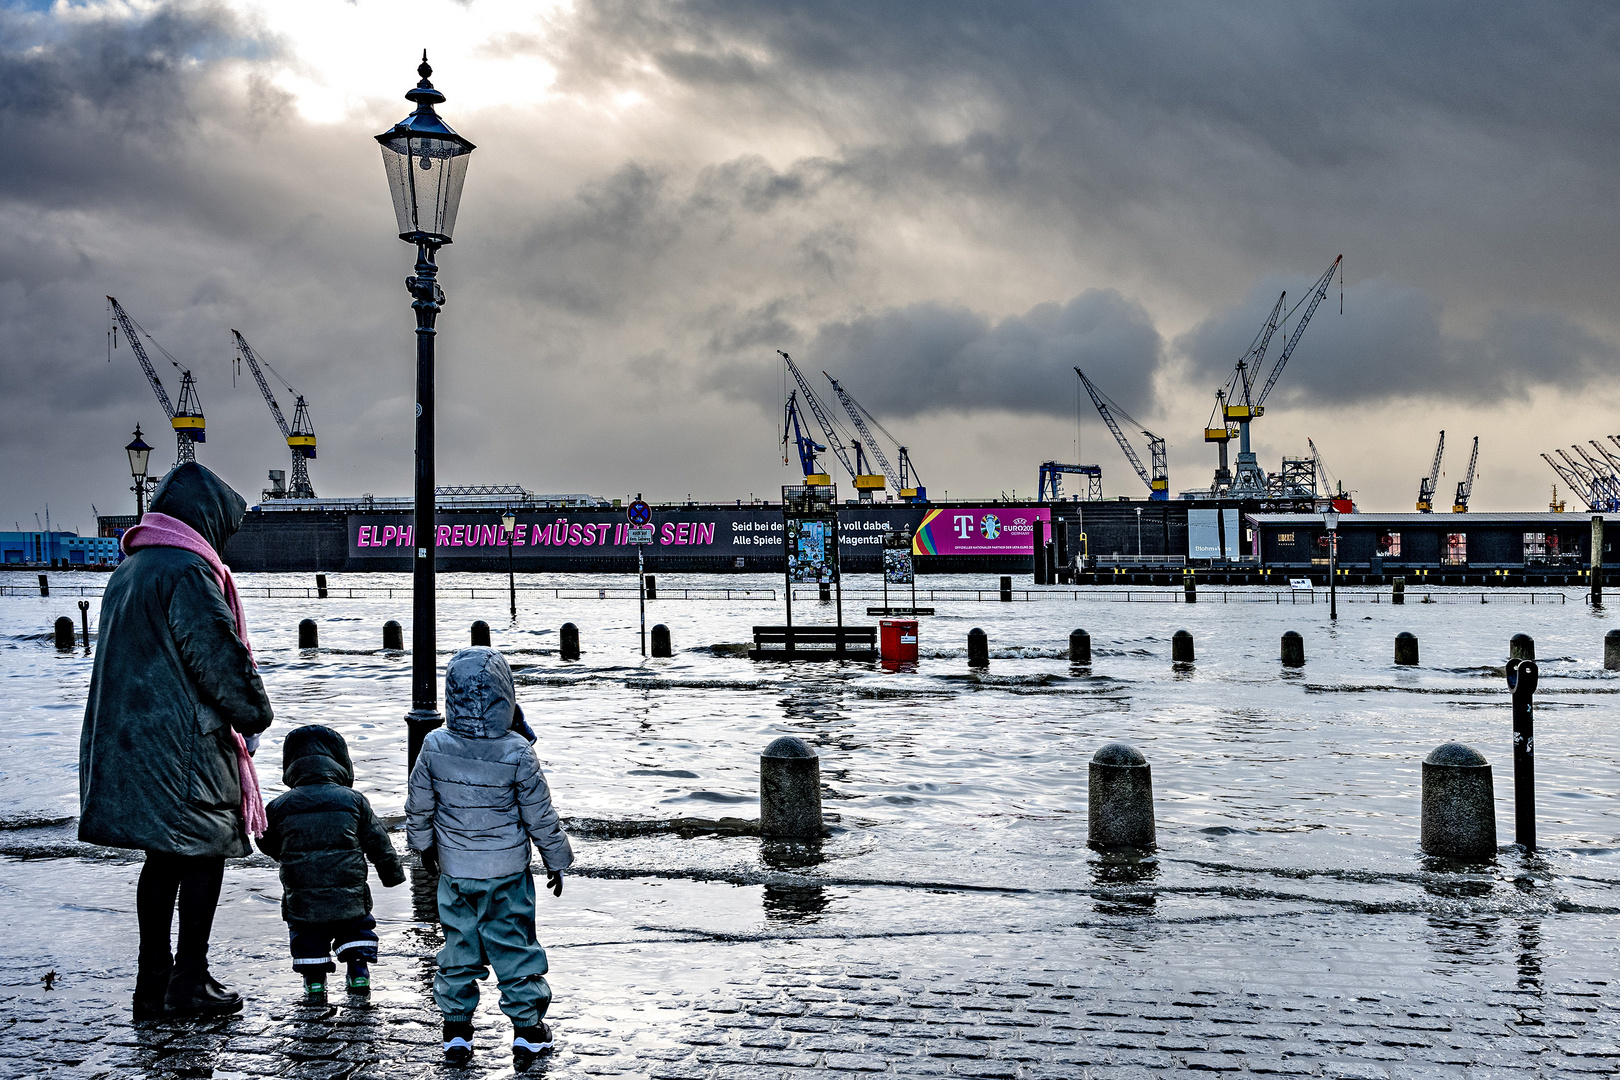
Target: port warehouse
[{"x": 1129, "y": 542}]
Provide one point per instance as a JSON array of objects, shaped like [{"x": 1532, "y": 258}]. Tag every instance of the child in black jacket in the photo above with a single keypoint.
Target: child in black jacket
[{"x": 322, "y": 832}]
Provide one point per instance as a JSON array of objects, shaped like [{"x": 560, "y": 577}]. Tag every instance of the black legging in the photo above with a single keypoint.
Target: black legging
[{"x": 193, "y": 880}]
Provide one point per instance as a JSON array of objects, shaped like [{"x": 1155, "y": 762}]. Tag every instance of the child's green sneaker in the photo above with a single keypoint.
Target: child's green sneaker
[
  {"x": 359, "y": 979},
  {"x": 315, "y": 989}
]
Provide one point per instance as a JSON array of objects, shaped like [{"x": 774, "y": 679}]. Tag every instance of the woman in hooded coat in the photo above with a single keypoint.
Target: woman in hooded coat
[{"x": 161, "y": 764}]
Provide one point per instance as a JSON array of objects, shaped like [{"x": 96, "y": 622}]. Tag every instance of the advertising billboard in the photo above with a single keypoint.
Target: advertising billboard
[{"x": 987, "y": 530}]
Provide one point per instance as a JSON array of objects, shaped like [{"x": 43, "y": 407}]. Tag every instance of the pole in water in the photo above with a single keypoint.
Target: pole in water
[
  {"x": 652, "y": 586},
  {"x": 1522, "y": 676},
  {"x": 1406, "y": 649},
  {"x": 1119, "y": 799},
  {"x": 1181, "y": 647},
  {"x": 84, "y": 619},
  {"x": 790, "y": 791},
  {"x": 1079, "y": 647},
  {"x": 480, "y": 632},
  {"x": 308, "y": 636},
  {"x": 1522, "y": 647},
  {"x": 1293, "y": 649},
  {"x": 1397, "y": 591},
  {"x": 1459, "y": 804},
  {"x": 64, "y": 632},
  {"x": 978, "y": 648},
  {"x": 641, "y": 578},
  {"x": 44, "y": 585},
  {"x": 1006, "y": 590},
  {"x": 824, "y": 593},
  {"x": 320, "y": 586},
  {"x": 568, "y": 641},
  {"x": 1189, "y": 587},
  {"x": 393, "y": 636},
  {"x": 1597, "y": 560},
  {"x": 660, "y": 642},
  {"x": 1611, "y": 651}
]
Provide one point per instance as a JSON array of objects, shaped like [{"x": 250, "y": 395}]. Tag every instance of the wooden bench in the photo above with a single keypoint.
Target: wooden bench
[{"x": 814, "y": 642}]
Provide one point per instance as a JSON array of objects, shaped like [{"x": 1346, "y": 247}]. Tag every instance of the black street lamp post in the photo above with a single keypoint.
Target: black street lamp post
[
  {"x": 138, "y": 453},
  {"x": 509, "y": 526},
  {"x": 1331, "y": 520},
  {"x": 426, "y": 163}
]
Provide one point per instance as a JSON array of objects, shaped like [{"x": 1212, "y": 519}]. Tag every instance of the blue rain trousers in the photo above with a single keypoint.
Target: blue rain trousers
[{"x": 489, "y": 922}]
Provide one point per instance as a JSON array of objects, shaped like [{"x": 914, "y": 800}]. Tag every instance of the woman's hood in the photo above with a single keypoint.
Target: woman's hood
[{"x": 202, "y": 500}]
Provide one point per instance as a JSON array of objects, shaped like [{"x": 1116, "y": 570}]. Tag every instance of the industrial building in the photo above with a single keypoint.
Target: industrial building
[{"x": 56, "y": 549}]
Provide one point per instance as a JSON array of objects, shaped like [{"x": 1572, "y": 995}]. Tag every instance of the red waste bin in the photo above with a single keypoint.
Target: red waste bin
[{"x": 897, "y": 640}]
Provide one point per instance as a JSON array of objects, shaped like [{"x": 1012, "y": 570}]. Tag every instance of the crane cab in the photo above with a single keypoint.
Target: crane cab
[
  {"x": 819, "y": 479},
  {"x": 302, "y": 444},
  {"x": 1244, "y": 413},
  {"x": 1218, "y": 434},
  {"x": 195, "y": 426},
  {"x": 868, "y": 483}
]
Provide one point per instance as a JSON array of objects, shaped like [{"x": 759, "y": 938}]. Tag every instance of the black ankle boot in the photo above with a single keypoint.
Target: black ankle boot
[{"x": 197, "y": 993}]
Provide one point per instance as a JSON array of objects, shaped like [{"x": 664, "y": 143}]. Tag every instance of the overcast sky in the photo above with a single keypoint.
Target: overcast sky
[{"x": 946, "y": 206}]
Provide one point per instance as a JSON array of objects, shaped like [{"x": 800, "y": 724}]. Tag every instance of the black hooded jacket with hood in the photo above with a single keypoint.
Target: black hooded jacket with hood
[
  {"x": 157, "y": 761},
  {"x": 322, "y": 832}
]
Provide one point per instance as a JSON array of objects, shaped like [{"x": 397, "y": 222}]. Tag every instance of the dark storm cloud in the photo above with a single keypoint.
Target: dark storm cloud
[{"x": 931, "y": 357}]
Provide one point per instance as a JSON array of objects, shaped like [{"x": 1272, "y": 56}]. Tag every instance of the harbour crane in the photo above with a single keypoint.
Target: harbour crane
[
  {"x": 1465, "y": 486},
  {"x": 1426, "y": 486},
  {"x": 187, "y": 420},
  {"x": 1251, "y": 479},
  {"x": 835, "y": 442},
  {"x": 1051, "y": 481},
  {"x": 904, "y": 478},
  {"x": 1221, "y": 427},
  {"x": 1159, "y": 481},
  {"x": 300, "y": 436},
  {"x": 807, "y": 447}
]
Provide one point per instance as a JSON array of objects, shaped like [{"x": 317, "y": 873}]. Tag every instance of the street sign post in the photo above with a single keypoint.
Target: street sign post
[{"x": 641, "y": 534}]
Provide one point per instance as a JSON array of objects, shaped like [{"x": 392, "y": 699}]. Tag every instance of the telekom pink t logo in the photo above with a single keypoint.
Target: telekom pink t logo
[{"x": 964, "y": 526}]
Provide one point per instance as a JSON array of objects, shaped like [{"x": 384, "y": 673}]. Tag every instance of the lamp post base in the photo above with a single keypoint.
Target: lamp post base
[{"x": 418, "y": 722}]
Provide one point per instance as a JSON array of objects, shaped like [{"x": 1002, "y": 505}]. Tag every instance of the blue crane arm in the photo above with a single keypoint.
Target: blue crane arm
[
  {"x": 1113, "y": 426},
  {"x": 826, "y": 425},
  {"x": 1243, "y": 377},
  {"x": 264, "y": 388},
  {"x": 860, "y": 425},
  {"x": 1317, "y": 294},
  {"x": 139, "y": 350},
  {"x": 806, "y": 446}
]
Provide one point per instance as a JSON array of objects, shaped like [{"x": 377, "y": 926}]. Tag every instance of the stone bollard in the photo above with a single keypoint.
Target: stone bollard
[
  {"x": 480, "y": 632},
  {"x": 1121, "y": 798},
  {"x": 1079, "y": 647},
  {"x": 393, "y": 636},
  {"x": 45, "y": 585},
  {"x": 64, "y": 633},
  {"x": 660, "y": 641},
  {"x": 568, "y": 641},
  {"x": 1189, "y": 587},
  {"x": 652, "y": 587},
  {"x": 84, "y": 619},
  {"x": 1293, "y": 649},
  {"x": 320, "y": 586},
  {"x": 1181, "y": 647},
  {"x": 1006, "y": 590},
  {"x": 308, "y": 636},
  {"x": 1406, "y": 649},
  {"x": 789, "y": 791},
  {"x": 1611, "y": 651},
  {"x": 1397, "y": 591},
  {"x": 1459, "y": 803},
  {"x": 1522, "y": 647},
  {"x": 978, "y": 648},
  {"x": 824, "y": 592}
]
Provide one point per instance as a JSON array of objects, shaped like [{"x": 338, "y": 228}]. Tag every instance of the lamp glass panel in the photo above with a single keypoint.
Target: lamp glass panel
[{"x": 425, "y": 175}]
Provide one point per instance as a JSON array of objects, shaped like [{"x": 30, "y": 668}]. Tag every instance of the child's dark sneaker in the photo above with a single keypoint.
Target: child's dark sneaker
[
  {"x": 359, "y": 979},
  {"x": 314, "y": 989},
  {"x": 529, "y": 1043},
  {"x": 458, "y": 1046}
]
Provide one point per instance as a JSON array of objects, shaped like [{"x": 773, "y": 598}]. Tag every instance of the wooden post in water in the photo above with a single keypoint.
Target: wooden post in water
[{"x": 1597, "y": 560}]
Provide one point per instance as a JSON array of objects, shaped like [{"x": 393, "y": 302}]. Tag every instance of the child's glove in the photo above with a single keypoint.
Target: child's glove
[
  {"x": 554, "y": 882},
  {"x": 430, "y": 859}
]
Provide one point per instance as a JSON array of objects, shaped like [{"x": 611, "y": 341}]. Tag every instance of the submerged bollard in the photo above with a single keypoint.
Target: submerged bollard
[
  {"x": 84, "y": 619},
  {"x": 1459, "y": 803},
  {"x": 1189, "y": 587},
  {"x": 1079, "y": 647},
  {"x": 652, "y": 587},
  {"x": 45, "y": 585},
  {"x": 824, "y": 592},
  {"x": 320, "y": 586},
  {"x": 1406, "y": 649},
  {"x": 568, "y": 641},
  {"x": 1397, "y": 591},
  {"x": 1120, "y": 798},
  {"x": 1006, "y": 590},
  {"x": 1181, "y": 647},
  {"x": 308, "y": 636},
  {"x": 1611, "y": 651},
  {"x": 790, "y": 790},
  {"x": 1522, "y": 647},
  {"x": 1522, "y": 676},
  {"x": 660, "y": 641},
  {"x": 64, "y": 633},
  {"x": 393, "y": 636},
  {"x": 480, "y": 632},
  {"x": 978, "y": 648},
  {"x": 1293, "y": 649}
]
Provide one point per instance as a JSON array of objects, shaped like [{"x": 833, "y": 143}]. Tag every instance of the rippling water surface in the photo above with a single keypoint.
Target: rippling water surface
[{"x": 1274, "y": 789}]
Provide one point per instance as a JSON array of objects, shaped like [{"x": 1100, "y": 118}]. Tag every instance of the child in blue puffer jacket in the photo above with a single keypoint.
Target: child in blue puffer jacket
[{"x": 477, "y": 800}]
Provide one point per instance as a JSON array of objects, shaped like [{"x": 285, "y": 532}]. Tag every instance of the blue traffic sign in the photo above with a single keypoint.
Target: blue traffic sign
[{"x": 639, "y": 513}]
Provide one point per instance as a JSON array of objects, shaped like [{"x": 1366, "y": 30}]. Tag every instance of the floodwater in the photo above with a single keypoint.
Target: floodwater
[{"x": 960, "y": 797}]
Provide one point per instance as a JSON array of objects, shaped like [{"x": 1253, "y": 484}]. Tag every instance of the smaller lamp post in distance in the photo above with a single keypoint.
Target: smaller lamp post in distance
[
  {"x": 509, "y": 527},
  {"x": 1330, "y": 518},
  {"x": 138, "y": 453},
  {"x": 426, "y": 163}
]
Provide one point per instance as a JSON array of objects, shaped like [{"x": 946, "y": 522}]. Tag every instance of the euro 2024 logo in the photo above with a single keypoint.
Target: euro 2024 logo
[{"x": 990, "y": 526}]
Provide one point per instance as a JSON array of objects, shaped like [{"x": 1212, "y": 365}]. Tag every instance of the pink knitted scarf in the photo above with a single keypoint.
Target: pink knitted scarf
[{"x": 161, "y": 530}]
